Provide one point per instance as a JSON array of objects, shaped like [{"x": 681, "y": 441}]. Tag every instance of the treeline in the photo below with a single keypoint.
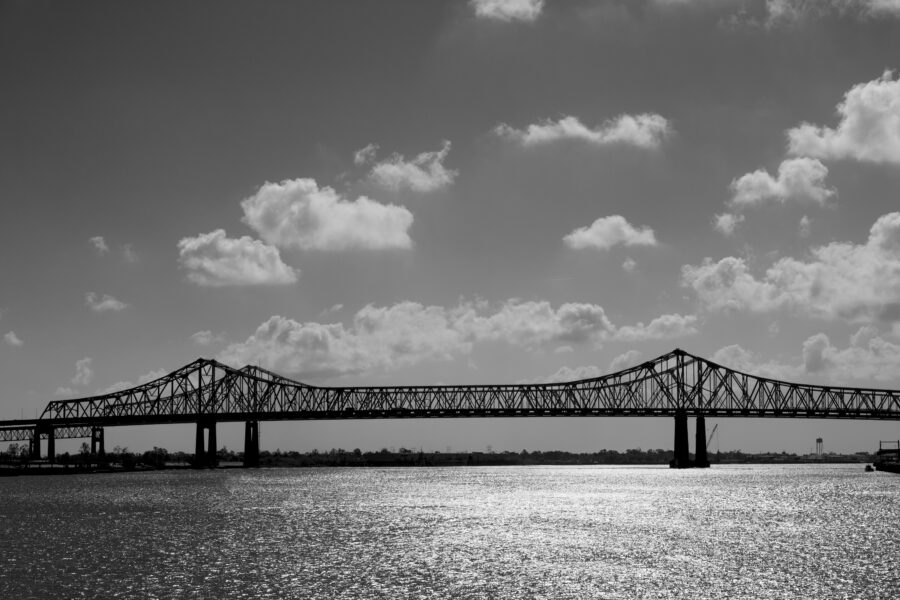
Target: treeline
[{"x": 17, "y": 455}]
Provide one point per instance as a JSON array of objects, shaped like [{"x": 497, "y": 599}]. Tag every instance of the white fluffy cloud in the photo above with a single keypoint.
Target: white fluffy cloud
[
  {"x": 206, "y": 338},
  {"x": 99, "y": 245},
  {"x": 297, "y": 213},
  {"x": 365, "y": 155},
  {"x": 793, "y": 12},
  {"x": 11, "y": 339},
  {"x": 424, "y": 173},
  {"x": 660, "y": 328},
  {"x": 213, "y": 259},
  {"x": 84, "y": 373},
  {"x": 124, "y": 385},
  {"x": 798, "y": 179},
  {"x": 103, "y": 303},
  {"x": 508, "y": 10},
  {"x": 408, "y": 332},
  {"x": 853, "y": 282},
  {"x": 644, "y": 130},
  {"x": 868, "y": 358},
  {"x": 606, "y": 232},
  {"x": 869, "y": 128},
  {"x": 625, "y": 361},
  {"x": 727, "y": 223}
]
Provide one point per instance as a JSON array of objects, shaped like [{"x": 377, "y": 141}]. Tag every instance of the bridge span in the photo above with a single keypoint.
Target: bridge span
[{"x": 676, "y": 384}]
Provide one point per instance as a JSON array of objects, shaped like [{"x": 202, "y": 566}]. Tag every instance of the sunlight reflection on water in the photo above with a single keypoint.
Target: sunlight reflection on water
[{"x": 507, "y": 532}]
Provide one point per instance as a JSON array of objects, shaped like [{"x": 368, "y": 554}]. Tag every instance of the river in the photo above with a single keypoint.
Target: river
[{"x": 792, "y": 532}]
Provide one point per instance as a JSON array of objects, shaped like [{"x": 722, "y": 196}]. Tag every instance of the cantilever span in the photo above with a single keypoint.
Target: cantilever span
[{"x": 676, "y": 384}]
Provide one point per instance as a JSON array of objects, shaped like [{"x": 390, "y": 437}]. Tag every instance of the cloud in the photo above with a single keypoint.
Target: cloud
[
  {"x": 11, "y": 339},
  {"x": 644, "y": 131},
  {"x": 103, "y": 304},
  {"x": 508, "y": 10},
  {"x": 566, "y": 374},
  {"x": 804, "y": 229},
  {"x": 298, "y": 214},
  {"x": 206, "y": 338},
  {"x": 124, "y": 385},
  {"x": 727, "y": 223},
  {"x": 661, "y": 328},
  {"x": 629, "y": 265},
  {"x": 798, "y": 179},
  {"x": 625, "y": 361},
  {"x": 606, "y": 232},
  {"x": 869, "y": 128},
  {"x": 795, "y": 12},
  {"x": 424, "y": 173},
  {"x": 365, "y": 155},
  {"x": 214, "y": 260},
  {"x": 851, "y": 282},
  {"x": 408, "y": 333},
  {"x": 83, "y": 372},
  {"x": 868, "y": 358},
  {"x": 129, "y": 254},
  {"x": 64, "y": 391},
  {"x": 99, "y": 245}
]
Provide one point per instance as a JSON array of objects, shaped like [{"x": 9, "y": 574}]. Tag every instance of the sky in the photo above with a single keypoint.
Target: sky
[{"x": 483, "y": 191}]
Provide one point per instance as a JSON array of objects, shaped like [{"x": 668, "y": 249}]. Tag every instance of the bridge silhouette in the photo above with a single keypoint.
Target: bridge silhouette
[{"x": 676, "y": 384}]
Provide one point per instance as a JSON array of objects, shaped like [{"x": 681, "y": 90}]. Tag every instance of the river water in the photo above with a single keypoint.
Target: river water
[{"x": 817, "y": 532}]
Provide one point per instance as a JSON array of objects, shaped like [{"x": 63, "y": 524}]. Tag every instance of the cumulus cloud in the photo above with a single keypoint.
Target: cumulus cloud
[
  {"x": 99, "y": 245},
  {"x": 869, "y": 127},
  {"x": 206, "y": 338},
  {"x": 424, "y": 173},
  {"x": 799, "y": 179},
  {"x": 868, "y": 358},
  {"x": 629, "y": 265},
  {"x": 407, "y": 333},
  {"x": 103, "y": 303},
  {"x": 124, "y": 385},
  {"x": 795, "y": 12},
  {"x": 64, "y": 391},
  {"x": 644, "y": 131},
  {"x": 852, "y": 282},
  {"x": 215, "y": 260},
  {"x": 508, "y": 10},
  {"x": 727, "y": 223},
  {"x": 11, "y": 339},
  {"x": 365, "y": 155},
  {"x": 804, "y": 229},
  {"x": 660, "y": 328},
  {"x": 606, "y": 232},
  {"x": 625, "y": 361},
  {"x": 84, "y": 373},
  {"x": 298, "y": 214}
]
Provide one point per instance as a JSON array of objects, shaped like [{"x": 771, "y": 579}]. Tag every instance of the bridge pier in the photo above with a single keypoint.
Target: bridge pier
[
  {"x": 701, "y": 460},
  {"x": 205, "y": 457},
  {"x": 51, "y": 445},
  {"x": 98, "y": 447},
  {"x": 682, "y": 458},
  {"x": 34, "y": 446},
  {"x": 251, "y": 444}
]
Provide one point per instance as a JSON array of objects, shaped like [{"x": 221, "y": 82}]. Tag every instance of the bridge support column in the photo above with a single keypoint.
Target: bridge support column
[
  {"x": 198, "y": 448},
  {"x": 682, "y": 458},
  {"x": 98, "y": 446},
  {"x": 701, "y": 460},
  {"x": 51, "y": 445},
  {"x": 211, "y": 459},
  {"x": 251, "y": 444},
  {"x": 34, "y": 446}
]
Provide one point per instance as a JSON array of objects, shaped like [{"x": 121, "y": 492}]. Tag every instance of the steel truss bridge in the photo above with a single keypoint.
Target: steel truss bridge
[{"x": 676, "y": 384}]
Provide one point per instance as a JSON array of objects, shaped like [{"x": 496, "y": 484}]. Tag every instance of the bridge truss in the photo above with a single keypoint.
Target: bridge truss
[{"x": 676, "y": 382}]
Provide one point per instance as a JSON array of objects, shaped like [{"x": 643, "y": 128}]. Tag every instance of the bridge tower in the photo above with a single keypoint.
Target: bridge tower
[
  {"x": 251, "y": 444},
  {"x": 205, "y": 457}
]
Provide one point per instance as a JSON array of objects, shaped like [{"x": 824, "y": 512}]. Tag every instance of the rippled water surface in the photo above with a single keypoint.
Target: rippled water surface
[{"x": 509, "y": 532}]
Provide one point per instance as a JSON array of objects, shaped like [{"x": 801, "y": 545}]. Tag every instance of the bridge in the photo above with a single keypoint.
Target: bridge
[{"x": 676, "y": 384}]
